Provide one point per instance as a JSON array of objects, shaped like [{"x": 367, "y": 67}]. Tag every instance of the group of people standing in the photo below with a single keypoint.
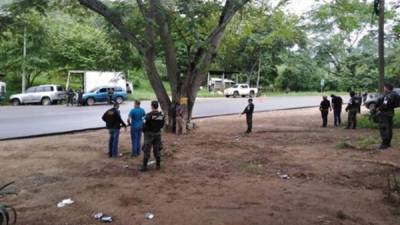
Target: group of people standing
[
  {"x": 150, "y": 124},
  {"x": 70, "y": 94},
  {"x": 382, "y": 114}
]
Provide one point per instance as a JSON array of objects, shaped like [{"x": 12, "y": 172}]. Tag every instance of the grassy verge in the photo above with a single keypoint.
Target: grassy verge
[{"x": 364, "y": 121}]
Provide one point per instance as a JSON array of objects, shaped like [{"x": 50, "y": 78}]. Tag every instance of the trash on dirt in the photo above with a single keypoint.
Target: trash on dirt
[
  {"x": 103, "y": 218},
  {"x": 65, "y": 202},
  {"x": 283, "y": 176},
  {"x": 151, "y": 162},
  {"x": 121, "y": 154},
  {"x": 126, "y": 166},
  {"x": 149, "y": 216}
]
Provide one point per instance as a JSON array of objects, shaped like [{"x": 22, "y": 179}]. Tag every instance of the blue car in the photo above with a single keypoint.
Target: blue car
[{"x": 100, "y": 94}]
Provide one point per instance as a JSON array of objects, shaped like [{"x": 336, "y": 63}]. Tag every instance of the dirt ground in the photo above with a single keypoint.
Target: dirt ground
[{"x": 214, "y": 175}]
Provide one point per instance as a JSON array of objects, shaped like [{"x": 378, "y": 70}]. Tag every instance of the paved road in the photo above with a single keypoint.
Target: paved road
[{"x": 22, "y": 121}]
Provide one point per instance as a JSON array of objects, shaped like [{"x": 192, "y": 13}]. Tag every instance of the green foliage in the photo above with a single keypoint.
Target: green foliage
[{"x": 364, "y": 122}]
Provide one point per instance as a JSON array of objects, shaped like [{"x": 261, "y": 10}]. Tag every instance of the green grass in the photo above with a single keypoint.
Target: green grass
[
  {"x": 303, "y": 93},
  {"x": 364, "y": 122}
]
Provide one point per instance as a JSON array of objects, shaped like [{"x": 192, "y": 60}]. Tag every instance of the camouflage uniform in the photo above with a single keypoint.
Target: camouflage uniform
[
  {"x": 353, "y": 107},
  {"x": 154, "y": 122}
]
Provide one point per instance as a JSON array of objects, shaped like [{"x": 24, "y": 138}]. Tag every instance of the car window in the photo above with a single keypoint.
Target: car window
[
  {"x": 117, "y": 89},
  {"x": 243, "y": 86},
  {"x": 103, "y": 90},
  {"x": 59, "y": 88},
  {"x": 235, "y": 86},
  {"x": 31, "y": 90}
]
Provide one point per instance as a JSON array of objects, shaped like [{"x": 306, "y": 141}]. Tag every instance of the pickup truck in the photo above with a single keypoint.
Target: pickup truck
[{"x": 240, "y": 90}]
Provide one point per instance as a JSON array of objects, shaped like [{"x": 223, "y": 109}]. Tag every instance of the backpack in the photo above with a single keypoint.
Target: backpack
[{"x": 396, "y": 99}]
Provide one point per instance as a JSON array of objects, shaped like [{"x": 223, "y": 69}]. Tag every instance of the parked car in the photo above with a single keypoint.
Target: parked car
[
  {"x": 372, "y": 99},
  {"x": 240, "y": 90},
  {"x": 100, "y": 94},
  {"x": 43, "y": 94}
]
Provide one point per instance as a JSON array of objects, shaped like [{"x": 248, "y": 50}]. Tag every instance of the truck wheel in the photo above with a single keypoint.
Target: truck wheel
[
  {"x": 235, "y": 94},
  {"x": 119, "y": 100},
  {"x": 46, "y": 101},
  {"x": 90, "y": 101},
  {"x": 251, "y": 95},
  {"x": 227, "y": 96},
  {"x": 15, "y": 102},
  {"x": 371, "y": 106}
]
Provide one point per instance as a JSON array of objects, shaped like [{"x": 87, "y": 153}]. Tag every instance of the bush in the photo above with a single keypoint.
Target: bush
[{"x": 365, "y": 122}]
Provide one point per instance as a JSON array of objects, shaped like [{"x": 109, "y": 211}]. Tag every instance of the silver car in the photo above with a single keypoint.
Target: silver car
[{"x": 43, "y": 94}]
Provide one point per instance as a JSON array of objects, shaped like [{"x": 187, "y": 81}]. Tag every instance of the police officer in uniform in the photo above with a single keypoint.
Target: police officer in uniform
[
  {"x": 324, "y": 107},
  {"x": 353, "y": 108},
  {"x": 249, "y": 115},
  {"x": 154, "y": 122},
  {"x": 385, "y": 112}
]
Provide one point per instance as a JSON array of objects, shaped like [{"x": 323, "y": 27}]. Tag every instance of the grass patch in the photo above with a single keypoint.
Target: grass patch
[{"x": 364, "y": 122}]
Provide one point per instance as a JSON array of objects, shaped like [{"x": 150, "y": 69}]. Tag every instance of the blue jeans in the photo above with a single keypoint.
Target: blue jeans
[
  {"x": 113, "y": 142},
  {"x": 136, "y": 134}
]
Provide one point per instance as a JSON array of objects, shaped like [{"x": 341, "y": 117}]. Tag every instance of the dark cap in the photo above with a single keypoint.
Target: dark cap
[
  {"x": 250, "y": 100},
  {"x": 154, "y": 104},
  {"x": 352, "y": 93}
]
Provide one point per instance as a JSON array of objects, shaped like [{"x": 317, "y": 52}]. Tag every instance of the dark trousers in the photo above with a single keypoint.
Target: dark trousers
[
  {"x": 337, "y": 118},
  {"x": 152, "y": 140},
  {"x": 386, "y": 129},
  {"x": 352, "y": 119},
  {"x": 113, "y": 142},
  {"x": 324, "y": 115},
  {"x": 110, "y": 99},
  {"x": 70, "y": 100},
  {"x": 249, "y": 121}
]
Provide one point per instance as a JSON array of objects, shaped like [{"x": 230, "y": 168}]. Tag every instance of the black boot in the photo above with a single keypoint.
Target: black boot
[
  {"x": 144, "y": 166},
  {"x": 158, "y": 163}
]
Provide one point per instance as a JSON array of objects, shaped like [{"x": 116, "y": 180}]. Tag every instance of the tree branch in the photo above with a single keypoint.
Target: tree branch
[{"x": 116, "y": 21}]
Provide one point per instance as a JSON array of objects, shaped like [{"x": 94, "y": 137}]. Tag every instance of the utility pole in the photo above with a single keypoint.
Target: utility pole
[
  {"x": 23, "y": 63},
  {"x": 381, "y": 44}
]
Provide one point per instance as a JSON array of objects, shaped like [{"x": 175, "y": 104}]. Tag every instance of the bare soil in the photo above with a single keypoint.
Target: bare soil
[{"x": 214, "y": 175}]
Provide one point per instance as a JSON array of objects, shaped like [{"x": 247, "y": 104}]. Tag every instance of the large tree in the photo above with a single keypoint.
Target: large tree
[{"x": 156, "y": 35}]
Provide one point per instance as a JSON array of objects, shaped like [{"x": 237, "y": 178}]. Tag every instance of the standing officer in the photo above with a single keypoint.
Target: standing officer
[
  {"x": 80, "y": 97},
  {"x": 70, "y": 97},
  {"x": 113, "y": 120},
  {"x": 110, "y": 93},
  {"x": 352, "y": 108},
  {"x": 154, "y": 122},
  {"x": 325, "y": 107},
  {"x": 337, "y": 109},
  {"x": 249, "y": 115},
  {"x": 385, "y": 112}
]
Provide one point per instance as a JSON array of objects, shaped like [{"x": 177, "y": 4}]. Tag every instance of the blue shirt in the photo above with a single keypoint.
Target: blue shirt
[{"x": 137, "y": 114}]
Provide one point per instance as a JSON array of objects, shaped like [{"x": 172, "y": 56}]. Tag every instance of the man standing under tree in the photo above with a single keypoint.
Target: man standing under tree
[
  {"x": 135, "y": 119},
  {"x": 249, "y": 115},
  {"x": 352, "y": 108},
  {"x": 154, "y": 122},
  {"x": 385, "y": 112},
  {"x": 337, "y": 109},
  {"x": 113, "y": 120},
  {"x": 324, "y": 107}
]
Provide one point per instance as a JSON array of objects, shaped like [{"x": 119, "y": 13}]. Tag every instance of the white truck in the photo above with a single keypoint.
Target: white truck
[
  {"x": 95, "y": 79},
  {"x": 240, "y": 90}
]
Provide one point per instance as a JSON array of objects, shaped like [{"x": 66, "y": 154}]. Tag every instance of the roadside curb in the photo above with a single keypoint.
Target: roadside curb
[{"x": 100, "y": 128}]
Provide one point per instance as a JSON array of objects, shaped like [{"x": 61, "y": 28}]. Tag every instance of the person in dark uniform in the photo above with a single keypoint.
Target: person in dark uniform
[
  {"x": 249, "y": 115},
  {"x": 325, "y": 107},
  {"x": 352, "y": 108},
  {"x": 80, "y": 97},
  {"x": 385, "y": 112},
  {"x": 113, "y": 120},
  {"x": 154, "y": 122},
  {"x": 337, "y": 103},
  {"x": 70, "y": 97},
  {"x": 110, "y": 93}
]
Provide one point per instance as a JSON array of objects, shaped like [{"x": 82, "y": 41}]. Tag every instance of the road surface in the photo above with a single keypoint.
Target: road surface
[{"x": 34, "y": 120}]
